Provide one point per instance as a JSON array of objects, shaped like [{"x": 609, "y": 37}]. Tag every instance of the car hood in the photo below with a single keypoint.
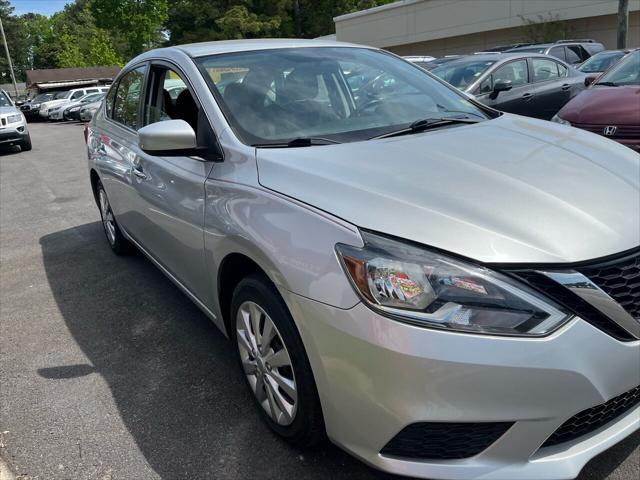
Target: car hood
[
  {"x": 513, "y": 189},
  {"x": 53, "y": 103},
  {"x": 6, "y": 110},
  {"x": 604, "y": 106}
]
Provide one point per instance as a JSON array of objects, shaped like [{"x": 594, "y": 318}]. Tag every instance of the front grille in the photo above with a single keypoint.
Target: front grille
[
  {"x": 620, "y": 279},
  {"x": 577, "y": 305},
  {"x": 593, "y": 418},
  {"x": 622, "y": 131},
  {"x": 444, "y": 441}
]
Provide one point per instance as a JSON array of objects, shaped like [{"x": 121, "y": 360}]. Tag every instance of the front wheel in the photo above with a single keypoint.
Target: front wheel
[
  {"x": 25, "y": 145},
  {"x": 117, "y": 242},
  {"x": 275, "y": 363}
]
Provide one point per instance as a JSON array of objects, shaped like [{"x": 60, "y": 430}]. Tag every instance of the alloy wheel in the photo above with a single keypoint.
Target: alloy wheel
[{"x": 266, "y": 363}]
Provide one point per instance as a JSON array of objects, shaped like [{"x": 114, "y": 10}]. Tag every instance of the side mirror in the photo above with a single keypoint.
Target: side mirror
[
  {"x": 588, "y": 80},
  {"x": 169, "y": 138},
  {"x": 501, "y": 86}
]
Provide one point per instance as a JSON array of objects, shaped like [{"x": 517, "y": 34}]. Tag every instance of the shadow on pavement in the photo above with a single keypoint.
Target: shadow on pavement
[
  {"x": 171, "y": 372},
  {"x": 173, "y": 376}
]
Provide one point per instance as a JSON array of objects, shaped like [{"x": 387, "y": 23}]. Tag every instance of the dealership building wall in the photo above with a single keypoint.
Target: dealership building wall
[{"x": 444, "y": 27}]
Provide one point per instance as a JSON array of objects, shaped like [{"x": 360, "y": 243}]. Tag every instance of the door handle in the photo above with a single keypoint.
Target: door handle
[
  {"x": 566, "y": 86},
  {"x": 139, "y": 173},
  {"x": 527, "y": 96}
]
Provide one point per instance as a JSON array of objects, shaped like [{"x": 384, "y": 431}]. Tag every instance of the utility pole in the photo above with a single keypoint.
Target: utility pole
[
  {"x": 623, "y": 22},
  {"x": 6, "y": 50}
]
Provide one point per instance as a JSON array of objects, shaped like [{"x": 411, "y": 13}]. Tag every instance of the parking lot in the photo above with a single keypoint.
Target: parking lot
[{"x": 108, "y": 371}]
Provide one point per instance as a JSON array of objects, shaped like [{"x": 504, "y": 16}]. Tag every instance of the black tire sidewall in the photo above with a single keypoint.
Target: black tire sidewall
[
  {"x": 120, "y": 245},
  {"x": 307, "y": 428}
]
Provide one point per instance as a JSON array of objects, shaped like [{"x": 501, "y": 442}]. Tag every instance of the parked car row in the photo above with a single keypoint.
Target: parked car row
[
  {"x": 571, "y": 81},
  {"x": 74, "y": 104}
]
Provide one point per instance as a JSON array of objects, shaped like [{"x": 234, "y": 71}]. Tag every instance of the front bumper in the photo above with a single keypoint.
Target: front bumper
[
  {"x": 376, "y": 376},
  {"x": 56, "y": 115},
  {"x": 13, "y": 134}
]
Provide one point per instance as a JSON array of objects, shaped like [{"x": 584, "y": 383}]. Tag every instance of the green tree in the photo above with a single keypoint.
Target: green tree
[
  {"x": 138, "y": 21},
  {"x": 101, "y": 51},
  {"x": 238, "y": 22},
  {"x": 68, "y": 54}
]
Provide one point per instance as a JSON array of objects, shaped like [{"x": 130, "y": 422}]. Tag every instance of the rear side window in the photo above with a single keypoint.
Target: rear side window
[
  {"x": 544, "y": 70},
  {"x": 126, "y": 104},
  {"x": 558, "y": 52},
  {"x": 573, "y": 54}
]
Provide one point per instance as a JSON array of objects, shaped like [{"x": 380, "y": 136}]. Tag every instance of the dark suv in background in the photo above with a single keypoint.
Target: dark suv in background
[{"x": 570, "y": 51}]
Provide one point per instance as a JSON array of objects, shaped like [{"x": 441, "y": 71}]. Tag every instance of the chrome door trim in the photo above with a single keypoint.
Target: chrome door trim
[{"x": 588, "y": 291}]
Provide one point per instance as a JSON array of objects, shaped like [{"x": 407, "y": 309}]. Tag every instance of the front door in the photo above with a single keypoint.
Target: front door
[
  {"x": 520, "y": 99},
  {"x": 171, "y": 190}
]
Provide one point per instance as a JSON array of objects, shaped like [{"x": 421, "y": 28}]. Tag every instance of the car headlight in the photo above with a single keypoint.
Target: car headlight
[
  {"x": 560, "y": 120},
  {"x": 35, "y": 106},
  {"x": 430, "y": 289},
  {"x": 74, "y": 109},
  {"x": 14, "y": 118}
]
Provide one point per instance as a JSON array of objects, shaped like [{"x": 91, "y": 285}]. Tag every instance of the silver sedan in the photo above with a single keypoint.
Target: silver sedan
[{"x": 441, "y": 289}]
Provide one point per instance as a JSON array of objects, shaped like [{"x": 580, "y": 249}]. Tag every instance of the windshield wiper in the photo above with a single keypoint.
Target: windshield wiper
[
  {"x": 608, "y": 84},
  {"x": 297, "y": 142},
  {"x": 425, "y": 124}
]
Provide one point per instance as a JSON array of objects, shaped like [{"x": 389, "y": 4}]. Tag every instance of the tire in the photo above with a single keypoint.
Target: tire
[
  {"x": 118, "y": 243},
  {"x": 302, "y": 425},
  {"x": 25, "y": 145}
]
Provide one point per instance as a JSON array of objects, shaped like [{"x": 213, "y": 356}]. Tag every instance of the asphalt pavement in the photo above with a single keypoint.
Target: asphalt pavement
[{"x": 107, "y": 371}]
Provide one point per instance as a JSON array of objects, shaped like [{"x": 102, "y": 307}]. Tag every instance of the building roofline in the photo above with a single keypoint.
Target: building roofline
[{"x": 380, "y": 8}]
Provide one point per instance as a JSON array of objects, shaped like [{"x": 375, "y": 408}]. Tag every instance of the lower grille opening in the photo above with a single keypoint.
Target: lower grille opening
[
  {"x": 593, "y": 418},
  {"x": 444, "y": 441}
]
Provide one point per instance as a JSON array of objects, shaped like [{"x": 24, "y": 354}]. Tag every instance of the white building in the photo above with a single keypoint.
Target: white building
[{"x": 442, "y": 27}]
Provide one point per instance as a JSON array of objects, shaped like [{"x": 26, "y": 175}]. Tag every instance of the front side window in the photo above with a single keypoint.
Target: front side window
[
  {"x": 62, "y": 95},
  {"x": 625, "y": 72},
  {"x": 515, "y": 72},
  {"x": 77, "y": 95},
  {"x": 127, "y": 98},
  {"x": 170, "y": 99},
  {"x": 544, "y": 70},
  {"x": 337, "y": 93}
]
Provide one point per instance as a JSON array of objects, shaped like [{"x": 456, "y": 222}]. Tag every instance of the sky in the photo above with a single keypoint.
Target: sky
[{"x": 45, "y": 7}]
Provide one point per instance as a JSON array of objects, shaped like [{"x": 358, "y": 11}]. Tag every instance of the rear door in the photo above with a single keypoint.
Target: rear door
[
  {"x": 520, "y": 99},
  {"x": 553, "y": 87},
  {"x": 170, "y": 190}
]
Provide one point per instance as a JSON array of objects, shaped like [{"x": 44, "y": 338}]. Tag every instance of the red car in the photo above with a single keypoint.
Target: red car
[{"x": 611, "y": 105}]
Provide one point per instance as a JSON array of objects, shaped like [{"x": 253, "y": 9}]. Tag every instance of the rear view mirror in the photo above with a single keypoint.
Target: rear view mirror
[
  {"x": 588, "y": 80},
  {"x": 501, "y": 86},
  {"x": 168, "y": 138}
]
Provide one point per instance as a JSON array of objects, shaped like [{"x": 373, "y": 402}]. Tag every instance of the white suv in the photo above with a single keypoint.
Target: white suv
[{"x": 69, "y": 96}]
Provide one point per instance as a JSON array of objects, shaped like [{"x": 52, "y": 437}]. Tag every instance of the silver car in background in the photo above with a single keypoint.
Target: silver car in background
[
  {"x": 13, "y": 125},
  {"x": 443, "y": 290}
]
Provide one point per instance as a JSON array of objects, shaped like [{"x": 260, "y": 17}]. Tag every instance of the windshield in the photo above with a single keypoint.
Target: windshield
[
  {"x": 4, "y": 100},
  {"x": 600, "y": 62},
  {"x": 462, "y": 73},
  {"x": 337, "y": 93},
  {"x": 626, "y": 72},
  {"x": 60, "y": 95},
  {"x": 43, "y": 97}
]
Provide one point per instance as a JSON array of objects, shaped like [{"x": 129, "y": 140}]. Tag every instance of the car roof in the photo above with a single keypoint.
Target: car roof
[{"x": 229, "y": 46}]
